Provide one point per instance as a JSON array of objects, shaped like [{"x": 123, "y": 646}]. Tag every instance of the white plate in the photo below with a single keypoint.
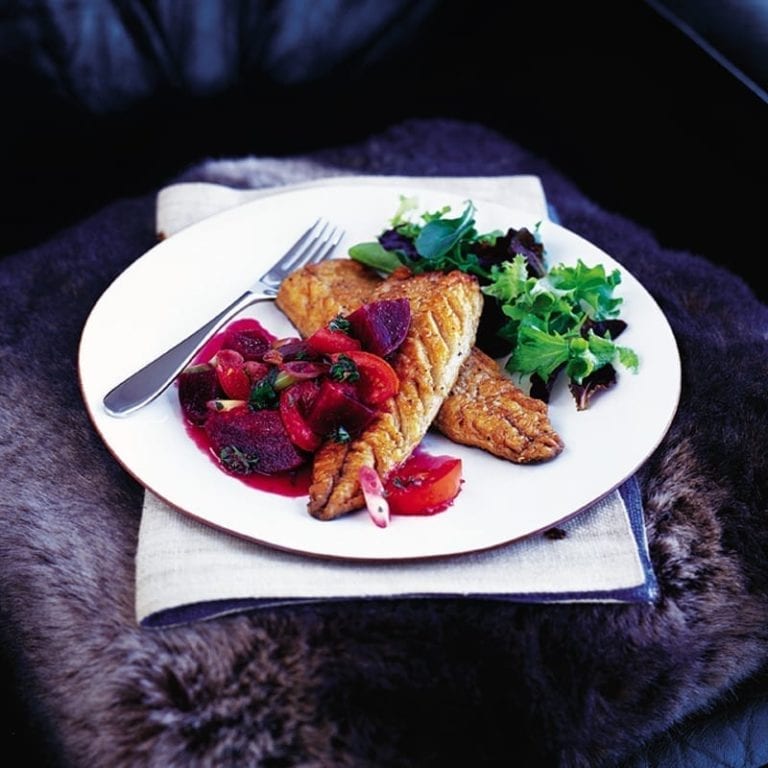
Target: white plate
[{"x": 185, "y": 280}]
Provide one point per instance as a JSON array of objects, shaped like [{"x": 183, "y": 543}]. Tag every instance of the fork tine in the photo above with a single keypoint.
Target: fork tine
[
  {"x": 305, "y": 243},
  {"x": 303, "y": 255},
  {"x": 323, "y": 253},
  {"x": 295, "y": 250}
]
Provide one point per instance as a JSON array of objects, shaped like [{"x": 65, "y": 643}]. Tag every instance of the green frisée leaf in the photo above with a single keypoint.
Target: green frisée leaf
[
  {"x": 403, "y": 222},
  {"x": 509, "y": 280},
  {"x": 628, "y": 358},
  {"x": 549, "y": 321},
  {"x": 544, "y": 353},
  {"x": 537, "y": 303},
  {"x": 589, "y": 287},
  {"x": 401, "y": 215},
  {"x": 588, "y": 355},
  {"x": 538, "y": 351}
]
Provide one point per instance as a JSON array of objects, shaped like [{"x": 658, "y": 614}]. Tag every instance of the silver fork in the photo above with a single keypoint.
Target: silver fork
[{"x": 139, "y": 389}]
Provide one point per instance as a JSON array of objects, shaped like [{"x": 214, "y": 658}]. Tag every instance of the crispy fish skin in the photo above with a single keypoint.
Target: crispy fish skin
[
  {"x": 485, "y": 409},
  {"x": 445, "y": 312},
  {"x": 312, "y": 296}
]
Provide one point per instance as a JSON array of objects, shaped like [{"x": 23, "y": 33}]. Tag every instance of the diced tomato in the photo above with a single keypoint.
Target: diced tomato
[
  {"x": 378, "y": 380},
  {"x": 256, "y": 371},
  {"x": 325, "y": 341},
  {"x": 232, "y": 374},
  {"x": 423, "y": 485},
  {"x": 294, "y": 403}
]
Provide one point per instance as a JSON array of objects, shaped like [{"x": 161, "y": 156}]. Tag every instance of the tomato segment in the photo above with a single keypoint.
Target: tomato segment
[
  {"x": 294, "y": 401},
  {"x": 423, "y": 485},
  {"x": 378, "y": 380},
  {"x": 326, "y": 341},
  {"x": 232, "y": 375}
]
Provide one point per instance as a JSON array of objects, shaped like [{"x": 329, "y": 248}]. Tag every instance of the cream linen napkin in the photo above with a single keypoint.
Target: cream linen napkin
[{"x": 187, "y": 571}]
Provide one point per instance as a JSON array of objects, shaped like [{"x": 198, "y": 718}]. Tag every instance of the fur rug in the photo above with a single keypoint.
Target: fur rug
[{"x": 407, "y": 683}]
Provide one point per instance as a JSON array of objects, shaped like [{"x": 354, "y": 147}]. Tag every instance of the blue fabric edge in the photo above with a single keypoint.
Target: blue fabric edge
[{"x": 647, "y": 591}]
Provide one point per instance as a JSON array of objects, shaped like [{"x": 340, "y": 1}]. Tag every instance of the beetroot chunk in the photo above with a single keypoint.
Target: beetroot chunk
[
  {"x": 247, "y": 441},
  {"x": 381, "y": 326},
  {"x": 248, "y": 337},
  {"x": 197, "y": 385},
  {"x": 336, "y": 405}
]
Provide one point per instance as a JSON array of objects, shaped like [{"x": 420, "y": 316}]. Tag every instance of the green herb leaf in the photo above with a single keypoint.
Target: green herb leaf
[
  {"x": 237, "y": 460},
  {"x": 340, "y": 434},
  {"x": 344, "y": 369},
  {"x": 340, "y": 324},
  {"x": 263, "y": 394}
]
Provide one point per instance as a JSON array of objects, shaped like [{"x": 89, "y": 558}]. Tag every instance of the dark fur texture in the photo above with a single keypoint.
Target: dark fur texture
[{"x": 402, "y": 683}]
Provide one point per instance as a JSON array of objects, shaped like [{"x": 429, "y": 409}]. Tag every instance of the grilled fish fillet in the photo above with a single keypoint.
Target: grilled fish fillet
[
  {"x": 445, "y": 312},
  {"x": 484, "y": 409},
  {"x": 312, "y": 296},
  {"x": 487, "y": 410}
]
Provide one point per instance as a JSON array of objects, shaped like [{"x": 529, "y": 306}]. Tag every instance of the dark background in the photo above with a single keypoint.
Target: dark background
[{"x": 644, "y": 120}]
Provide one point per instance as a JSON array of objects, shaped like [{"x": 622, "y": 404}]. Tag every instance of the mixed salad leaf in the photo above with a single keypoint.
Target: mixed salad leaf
[{"x": 547, "y": 321}]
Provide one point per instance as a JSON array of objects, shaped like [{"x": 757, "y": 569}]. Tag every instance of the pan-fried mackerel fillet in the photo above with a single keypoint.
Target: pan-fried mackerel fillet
[
  {"x": 445, "y": 312},
  {"x": 312, "y": 296},
  {"x": 485, "y": 409}
]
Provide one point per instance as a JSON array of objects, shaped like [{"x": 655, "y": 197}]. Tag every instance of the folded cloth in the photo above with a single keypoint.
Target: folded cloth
[{"x": 187, "y": 571}]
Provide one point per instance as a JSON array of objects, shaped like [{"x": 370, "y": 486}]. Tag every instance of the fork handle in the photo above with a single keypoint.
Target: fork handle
[{"x": 147, "y": 383}]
